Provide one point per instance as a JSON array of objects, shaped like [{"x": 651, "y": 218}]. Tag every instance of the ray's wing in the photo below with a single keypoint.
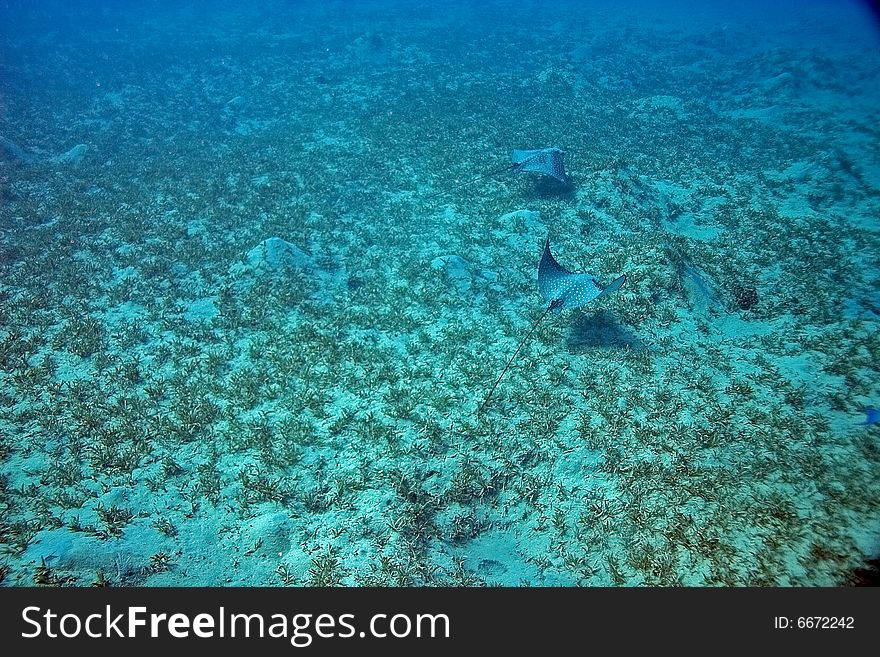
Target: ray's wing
[
  {"x": 572, "y": 290},
  {"x": 548, "y": 161},
  {"x": 520, "y": 157},
  {"x": 580, "y": 289},
  {"x": 552, "y": 278},
  {"x": 557, "y": 164},
  {"x": 615, "y": 285}
]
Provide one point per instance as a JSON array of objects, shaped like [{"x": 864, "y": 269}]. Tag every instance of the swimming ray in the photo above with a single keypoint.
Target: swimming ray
[
  {"x": 570, "y": 290},
  {"x": 545, "y": 161},
  {"x": 564, "y": 290}
]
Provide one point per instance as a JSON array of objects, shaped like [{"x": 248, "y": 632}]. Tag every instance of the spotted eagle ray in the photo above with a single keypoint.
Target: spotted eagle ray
[
  {"x": 563, "y": 290},
  {"x": 545, "y": 161}
]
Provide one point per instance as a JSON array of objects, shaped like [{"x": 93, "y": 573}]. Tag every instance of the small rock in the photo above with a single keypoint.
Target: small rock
[
  {"x": 74, "y": 156},
  {"x": 11, "y": 151},
  {"x": 276, "y": 254},
  {"x": 529, "y": 218},
  {"x": 269, "y": 535},
  {"x": 783, "y": 81},
  {"x": 456, "y": 269}
]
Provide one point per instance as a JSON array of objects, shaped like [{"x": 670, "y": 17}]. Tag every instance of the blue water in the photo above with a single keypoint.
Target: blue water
[{"x": 261, "y": 264}]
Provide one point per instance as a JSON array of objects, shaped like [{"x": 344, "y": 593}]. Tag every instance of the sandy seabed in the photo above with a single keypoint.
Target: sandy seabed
[{"x": 247, "y": 316}]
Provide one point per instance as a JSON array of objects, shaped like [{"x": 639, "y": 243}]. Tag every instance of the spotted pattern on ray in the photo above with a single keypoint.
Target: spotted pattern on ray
[
  {"x": 547, "y": 161},
  {"x": 567, "y": 289}
]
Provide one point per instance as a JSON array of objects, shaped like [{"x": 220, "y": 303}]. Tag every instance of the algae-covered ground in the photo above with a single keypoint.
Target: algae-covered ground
[{"x": 247, "y": 313}]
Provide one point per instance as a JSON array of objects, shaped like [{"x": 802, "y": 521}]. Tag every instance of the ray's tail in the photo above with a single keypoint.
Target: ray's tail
[
  {"x": 475, "y": 179},
  {"x": 553, "y": 304}
]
